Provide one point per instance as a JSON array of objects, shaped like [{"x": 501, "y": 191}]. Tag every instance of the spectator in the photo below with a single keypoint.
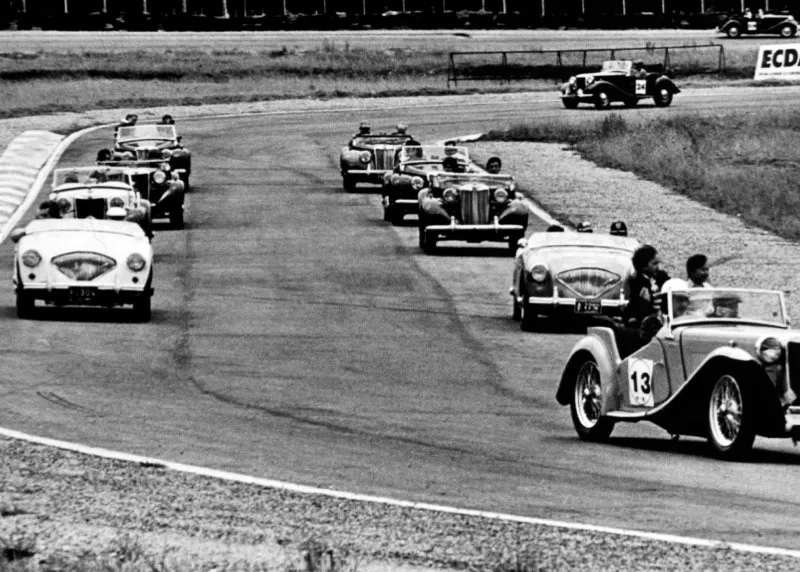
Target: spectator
[
  {"x": 697, "y": 271},
  {"x": 493, "y": 165}
]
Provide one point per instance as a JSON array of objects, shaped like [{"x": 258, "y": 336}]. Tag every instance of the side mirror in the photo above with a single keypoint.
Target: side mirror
[{"x": 16, "y": 234}]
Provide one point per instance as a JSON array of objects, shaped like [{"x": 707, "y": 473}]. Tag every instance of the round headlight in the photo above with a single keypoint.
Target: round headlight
[
  {"x": 166, "y": 153},
  {"x": 395, "y": 180},
  {"x": 539, "y": 273},
  {"x": 501, "y": 195},
  {"x": 769, "y": 350},
  {"x": 450, "y": 195},
  {"x": 159, "y": 177},
  {"x": 31, "y": 258},
  {"x": 64, "y": 205},
  {"x": 116, "y": 202},
  {"x": 572, "y": 80},
  {"x": 417, "y": 183},
  {"x": 589, "y": 79},
  {"x": 136, "y": 262},
  {"x": 365, "y": 157}
]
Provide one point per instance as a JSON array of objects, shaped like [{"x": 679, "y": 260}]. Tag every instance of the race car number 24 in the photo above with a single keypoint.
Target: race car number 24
[{"x": 640, "y": 382}]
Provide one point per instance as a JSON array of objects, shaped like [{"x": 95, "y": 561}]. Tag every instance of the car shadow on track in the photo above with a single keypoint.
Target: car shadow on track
[{"x": 117, "y": 315}]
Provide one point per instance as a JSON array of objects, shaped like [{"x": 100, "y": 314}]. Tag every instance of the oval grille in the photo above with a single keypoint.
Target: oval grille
[
  {"x": 83, "y": 266},
  {"x": 587, "y": 282}
]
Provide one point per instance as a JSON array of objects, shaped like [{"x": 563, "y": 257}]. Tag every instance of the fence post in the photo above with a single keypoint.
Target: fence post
[
  {"x": 584, "y": 59},
  {"x": 451, "y": 71},
  {"x": 666, "y": 60},
  {"x": 721, "y": 60},
  {"x": 504, "y": 66}
]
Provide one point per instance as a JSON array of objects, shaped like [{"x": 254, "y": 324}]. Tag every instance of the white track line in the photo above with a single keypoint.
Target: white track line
[{"x": 303, "y": 489}]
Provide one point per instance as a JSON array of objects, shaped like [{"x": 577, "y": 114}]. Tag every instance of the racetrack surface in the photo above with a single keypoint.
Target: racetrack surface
[{"x": 296, "y": 336}]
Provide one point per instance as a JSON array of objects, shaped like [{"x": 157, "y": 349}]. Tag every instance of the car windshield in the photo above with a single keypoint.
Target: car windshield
[
  {"x": 433, "y": 152},
  {"x": 365, "y": 140},
  {"x": 88, "y": 176},
  {"x": 623, "y": 66},
  {"x": 457, "y": 179},
  {"x": 146, "y": 132},
  {"x": 712, "y": 304}
]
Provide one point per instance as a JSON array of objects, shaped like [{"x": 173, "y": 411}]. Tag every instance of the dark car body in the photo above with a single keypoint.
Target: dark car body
[
  {"x": 413, "y": 168},
  {"x": 571, "y": 275},
  {"x": 618, "y": 80},
  {"x": 369, "y": 156},
  {"x": 151, "y": 142},
  {"x": 724, "y": 365},
  {"x": 784, "y": 25},
  {"x": 473, "y": 207}
]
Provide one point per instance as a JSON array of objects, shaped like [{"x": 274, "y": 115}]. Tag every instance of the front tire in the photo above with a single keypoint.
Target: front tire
[
  {"x": 176, "y": 218},
  {"x": 527, "y": 318},
  {"x": 25, "y": 305},
  {"x": 602, "y": 99},
  {"x": 586, "y": 404},
  {"x": 734, "y": 32},
  {"x": 569, "y": 103},
  {"x": 663, "y": 98},
  {"x": 142, "y": 308},
  {"x": 731, "y": 419},
  {"x": 348, "y": 183}
]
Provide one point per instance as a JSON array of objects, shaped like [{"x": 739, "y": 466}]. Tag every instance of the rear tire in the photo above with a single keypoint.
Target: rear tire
[
  {"x": 586, "y": 404},
  {"x": 734, "y": 32},
  {"x": 25, "y": 305},
  {"x": 788, "y": 31}
]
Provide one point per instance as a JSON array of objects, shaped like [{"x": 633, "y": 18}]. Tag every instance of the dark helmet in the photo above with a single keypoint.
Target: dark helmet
[
  {"x": 167, "y": 120},
  {"x": 364, "y": 128},
  {"x": 619, "y": 228},
  {"x": 585, "y": 226},
  {"x": 104, "y": 155}
]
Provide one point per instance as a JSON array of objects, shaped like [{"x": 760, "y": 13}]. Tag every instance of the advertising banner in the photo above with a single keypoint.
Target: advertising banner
[{"x": 778, "y": 61}]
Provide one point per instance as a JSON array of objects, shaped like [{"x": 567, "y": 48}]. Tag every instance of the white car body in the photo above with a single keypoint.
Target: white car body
[{"x": 85, "y": 262}]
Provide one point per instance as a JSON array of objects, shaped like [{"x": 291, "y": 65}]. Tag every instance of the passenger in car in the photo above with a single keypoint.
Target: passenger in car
[
  {"x": 644, "y": 286},
  {"x": 49, "y": 209},
  {"x": 697, "y": 271},
  {"x": 493, "y": 165},
  {"x": 451, "y": 165}
]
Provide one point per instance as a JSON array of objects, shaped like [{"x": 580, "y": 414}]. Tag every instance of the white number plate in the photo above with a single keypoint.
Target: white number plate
[
  {"x": 640, "y": 382},
  {"x": 641, "y": 87}
]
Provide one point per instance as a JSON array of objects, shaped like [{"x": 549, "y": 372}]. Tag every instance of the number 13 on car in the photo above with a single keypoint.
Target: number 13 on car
[{"x": 640, "y": 388}]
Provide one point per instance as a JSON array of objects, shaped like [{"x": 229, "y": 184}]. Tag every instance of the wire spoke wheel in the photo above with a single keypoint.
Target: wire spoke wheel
[
  {"x": 730, "y": 428},
  {"x": 587, "y": 404}
]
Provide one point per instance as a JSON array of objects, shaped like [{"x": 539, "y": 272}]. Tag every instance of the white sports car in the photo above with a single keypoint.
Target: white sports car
[{"x": 83, "y": 262}]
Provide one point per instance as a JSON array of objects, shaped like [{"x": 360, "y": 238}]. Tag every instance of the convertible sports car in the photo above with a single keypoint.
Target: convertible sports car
[
  {"x": 724, "y": 365},
  {"x": 155, "y": 180},
  {"x": 82, "y": 192},
  {"x": 473, "y": 207},
  {"x": 618, "y": 80},
  {"x": 782, "y": 24},
  {"x": 83, "y": 262},
  {"x": 369, "y": 156},
  {"x": 411, "y": 173},
  {"x": 154, "y": 142},
  {"x": 571, "y": 275}
]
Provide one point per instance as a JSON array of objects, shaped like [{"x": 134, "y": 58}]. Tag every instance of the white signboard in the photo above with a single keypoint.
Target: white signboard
[{"x": 778, "y": 61}]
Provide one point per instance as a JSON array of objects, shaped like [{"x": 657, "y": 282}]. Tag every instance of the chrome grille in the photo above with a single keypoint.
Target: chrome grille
[
  {"x": 83, "y": 266},
  {"x": 475, "y": 206},
  {"x": 85, "y": 208},
  {"x": 586, "y": 282},
  {"x": 384, "y": 158}
]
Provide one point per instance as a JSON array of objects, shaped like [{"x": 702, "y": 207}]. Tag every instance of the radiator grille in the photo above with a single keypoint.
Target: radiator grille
[
  {"x": 384, "y": 158},
  {"x": 90, "y": 207},
  {"x": 475, "y": 206},
  {"x": 586, "y": 282}
]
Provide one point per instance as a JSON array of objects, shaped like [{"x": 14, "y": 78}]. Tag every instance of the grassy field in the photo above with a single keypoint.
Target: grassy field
[
  {"x": 744, "y": 165},
  {"x": 41, "y": 81}
]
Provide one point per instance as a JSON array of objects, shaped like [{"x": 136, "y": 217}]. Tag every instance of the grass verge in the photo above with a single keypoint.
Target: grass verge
[{"x": 743, "y": 165}]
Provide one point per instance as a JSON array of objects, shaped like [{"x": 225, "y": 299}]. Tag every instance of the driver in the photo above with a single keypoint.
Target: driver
[{"x": 726, "y": 306}]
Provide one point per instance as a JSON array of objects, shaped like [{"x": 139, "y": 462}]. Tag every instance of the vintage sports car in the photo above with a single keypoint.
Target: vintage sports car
[
  {"x": 783, "y": 25},
  {"x": 724, "y": 365},
  {"x": 82, "y": 192},
  {"x": 474, "y": 207},
  {"x": 413, "y": 167},
  {"x": 83, "y": 262},
  {"x": 369, "y": 156},
  {"x": 150, "y": 142},
  {"x": 571, "y": 275},
  {"x": 618, "y": 80},
  {"x": 157, "y": 183}
]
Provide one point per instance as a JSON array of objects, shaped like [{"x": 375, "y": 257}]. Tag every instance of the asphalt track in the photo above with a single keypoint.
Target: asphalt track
[{"x": 298, "y": 337}]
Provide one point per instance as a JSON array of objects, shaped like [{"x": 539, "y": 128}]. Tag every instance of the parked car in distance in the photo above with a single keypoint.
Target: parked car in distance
[
  {"x": 472, "y": 207},
  {"x": 151, "y": 142},
  {"x": 413, "y": 167},
  {"x": 784, "y": 25},
  {"x": 619, "y": 80},
  {"x": 369, "y": 156},
  {"x": 82, "y": 192},
  {"x": 571, "y": 275},
  {"x": 724, "y": 365},
  {"x": 83, "y": 262}
]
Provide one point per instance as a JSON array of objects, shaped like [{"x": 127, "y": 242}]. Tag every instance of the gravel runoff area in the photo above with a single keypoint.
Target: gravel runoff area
[{"x": 57, "y": 507}]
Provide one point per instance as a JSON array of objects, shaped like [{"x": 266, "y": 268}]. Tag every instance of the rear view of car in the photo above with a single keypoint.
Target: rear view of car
[{"x": 83, "y": 262}]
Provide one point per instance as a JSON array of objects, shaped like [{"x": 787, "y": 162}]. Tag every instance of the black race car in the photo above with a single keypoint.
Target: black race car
[{"x": 783, "y": 25}]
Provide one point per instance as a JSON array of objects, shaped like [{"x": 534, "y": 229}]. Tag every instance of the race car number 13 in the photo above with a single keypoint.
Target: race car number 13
[{"x": 640, "y": 388}]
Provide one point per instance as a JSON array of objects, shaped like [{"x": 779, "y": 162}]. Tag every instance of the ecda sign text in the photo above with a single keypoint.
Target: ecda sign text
[{"x": 779, "y": 61}]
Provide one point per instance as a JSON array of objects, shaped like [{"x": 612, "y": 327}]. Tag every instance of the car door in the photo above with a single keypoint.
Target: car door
[{"x": 644, "y": 378}]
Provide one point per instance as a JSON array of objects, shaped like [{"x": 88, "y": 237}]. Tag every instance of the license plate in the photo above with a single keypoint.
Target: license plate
[
  {"x": 82, "y": 294},
  {"x": 587, "y": 307}
]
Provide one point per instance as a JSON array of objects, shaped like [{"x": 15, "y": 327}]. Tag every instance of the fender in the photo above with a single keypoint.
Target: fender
[
  {"x": 685, "y": 411},
  {"x": 600, "y": 344},
  {"x": 666, "y": 83},
  {"x": 515, "y": 209},
  {"x": 610, "y": 88},
  {"x": 775, "y": 27},
  {"x": 430, "y": 206},
  {"x": 726, "y": 25}
]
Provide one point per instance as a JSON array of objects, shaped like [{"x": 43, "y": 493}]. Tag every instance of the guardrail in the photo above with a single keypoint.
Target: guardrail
[{"x": 513, "y": 65}]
